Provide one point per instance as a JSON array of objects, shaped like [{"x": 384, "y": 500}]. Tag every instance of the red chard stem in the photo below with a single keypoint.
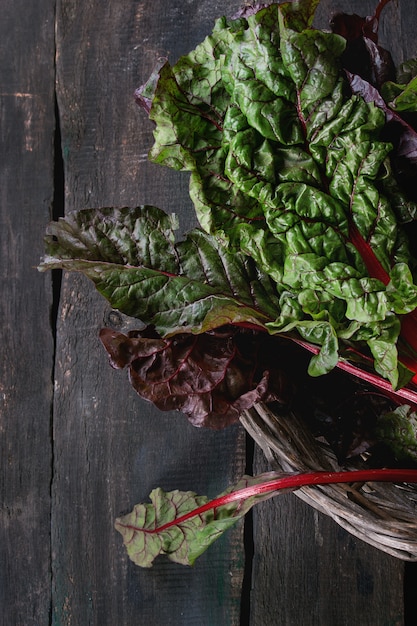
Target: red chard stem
[{"x": 292, "y": 482}]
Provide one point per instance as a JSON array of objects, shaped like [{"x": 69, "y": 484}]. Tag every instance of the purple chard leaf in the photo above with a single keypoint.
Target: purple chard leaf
[{"x": 211, "y": 377}]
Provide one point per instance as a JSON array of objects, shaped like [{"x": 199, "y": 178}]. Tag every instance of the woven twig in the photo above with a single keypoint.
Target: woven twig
[{"x": 381, "y": 514}]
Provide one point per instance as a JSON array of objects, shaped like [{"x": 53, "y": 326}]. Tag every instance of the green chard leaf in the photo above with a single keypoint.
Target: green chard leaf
[
  {"x": 188, "y": 108},
  {"x": 131, "y": 256},
  {"x": 182, "y": 525},
  {"x": 168, "y": 526},
  {"x": 298, "y": 14}
]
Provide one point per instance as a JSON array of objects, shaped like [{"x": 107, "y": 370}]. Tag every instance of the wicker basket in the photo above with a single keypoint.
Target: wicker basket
[{"x": 382, "y": 514}]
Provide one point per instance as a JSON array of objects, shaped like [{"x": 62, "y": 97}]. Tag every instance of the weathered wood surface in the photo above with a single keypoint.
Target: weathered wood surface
[
  {"x": 102, "y": 448},
  {"x": 26, "y": 365},
  {"x": 111, "y": 449}
]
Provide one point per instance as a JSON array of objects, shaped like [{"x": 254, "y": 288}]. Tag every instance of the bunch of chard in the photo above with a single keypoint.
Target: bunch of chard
[
  {"x": 302, "y": 149},
  {"x": 301, "y": 146}
]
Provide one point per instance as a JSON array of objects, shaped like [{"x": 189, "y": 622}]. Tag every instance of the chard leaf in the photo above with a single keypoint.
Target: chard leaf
[
  {"x": 323, "y": 334},
  {"x": 298, "y": 14},
  {"x": 401, "y": 97},
  {"x": 211, "y": 377},
  {"x": 406, "y": 135},
  {"x": 188, "y": 107},
  {"x": 131, "y": 256},
  {"x": 182, "y": 525},
  {"x": 311, "y": 59},
  {"x": 407, "y": 71},
  {"x": 168, "y": 526}
]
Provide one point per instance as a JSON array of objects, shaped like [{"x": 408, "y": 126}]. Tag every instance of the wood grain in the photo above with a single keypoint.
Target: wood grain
[
  {"x": 111, "y": 449},
  {"x": 26, "y": 187},
  {"x": 308, "y": 570}
]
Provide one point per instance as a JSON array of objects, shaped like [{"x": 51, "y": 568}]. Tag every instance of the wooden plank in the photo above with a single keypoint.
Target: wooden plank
[
  {"x": 26, "y": 187},
  {"x": 111, "y": 449},
  {"x": 307, "y": 570},
  {"x": 321, "y": 574}
]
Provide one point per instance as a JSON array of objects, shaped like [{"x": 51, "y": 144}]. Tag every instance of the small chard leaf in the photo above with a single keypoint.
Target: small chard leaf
[
  {"x": 211, "y": 377},
  {"x": 175, "y": 523},
  {"x": 182, "y": 525},
  {"x": 298, "y": 15},
  {"x": 407, "y": 71},
  {"x": 144, "y": 542},
  {"x": 399, "y": 183},
  {"x": 405, "y": 135}
]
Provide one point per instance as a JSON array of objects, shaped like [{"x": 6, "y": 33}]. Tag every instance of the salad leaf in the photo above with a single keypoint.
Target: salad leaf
[
  {"x": 133, "y": 259},
  {"x": 211, "y": 377},
  {"x": 402, "y": 96},
  {"x": 182, "y": 525},
  {"x": 171, "y": 524}
]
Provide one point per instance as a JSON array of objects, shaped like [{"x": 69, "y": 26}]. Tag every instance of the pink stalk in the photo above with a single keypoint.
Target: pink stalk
[
  {"x": 375, "y": 269},
  {"x": 379, "y": 8},
  {"x": 405, "y": 395},
  {"x": 291, "y": 482}
]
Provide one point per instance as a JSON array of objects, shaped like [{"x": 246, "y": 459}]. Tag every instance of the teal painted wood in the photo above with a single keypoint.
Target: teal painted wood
[{"x": 26, "y": 191}]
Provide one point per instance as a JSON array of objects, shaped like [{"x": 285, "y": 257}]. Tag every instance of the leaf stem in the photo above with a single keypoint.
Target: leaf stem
[
  {"x": 293, "y": 481},
  {"x": 379, "y": 8},
  {"x": 403, "y": 394}
]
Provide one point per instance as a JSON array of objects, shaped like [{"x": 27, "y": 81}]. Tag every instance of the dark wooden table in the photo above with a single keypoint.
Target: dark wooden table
[{"x": 78, "y": 448}]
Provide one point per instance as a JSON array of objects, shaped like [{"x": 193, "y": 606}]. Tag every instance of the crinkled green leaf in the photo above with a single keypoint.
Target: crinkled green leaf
[
  {"x": 401, "y": 97},
  {"x": 407, "y": 71},
  {"x": 188, "y": 108},
  {"x": 143, "y": 545},
  {"x": 323, "y": 334},
  {"x": 404, "y": 207},
  {"x": 312, "y": 61},
  {"x": 402, "y": 290},
  {"x": 131, "y": 256}
]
